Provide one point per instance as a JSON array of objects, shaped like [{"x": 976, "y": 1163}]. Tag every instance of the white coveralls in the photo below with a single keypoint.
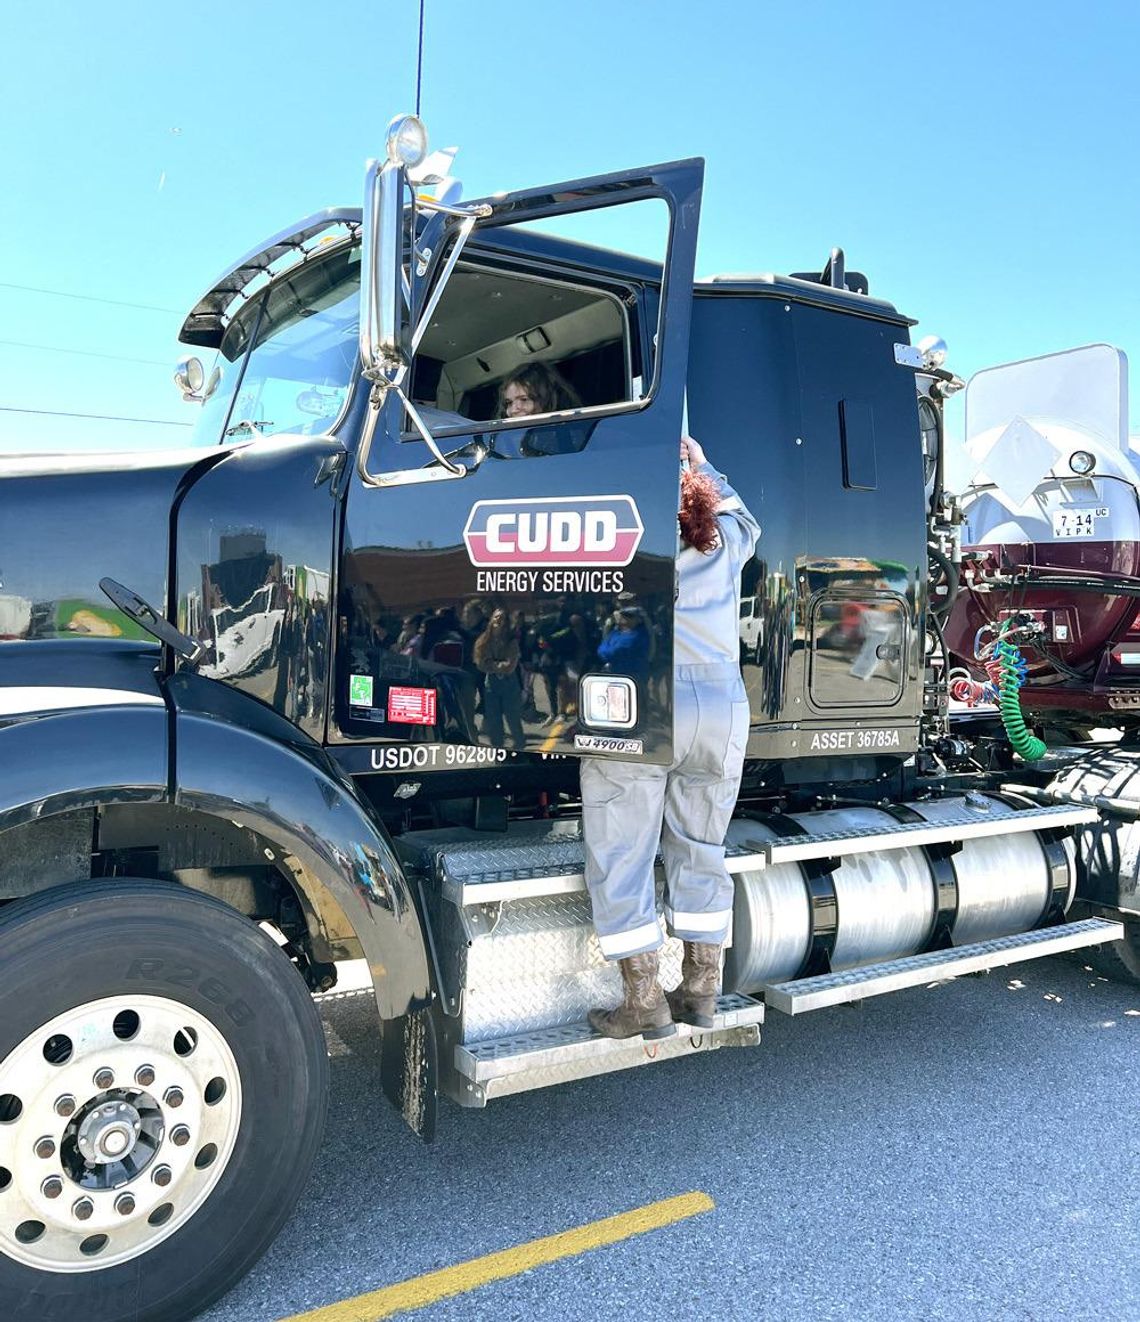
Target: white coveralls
[{"x": 628, "y": 807}]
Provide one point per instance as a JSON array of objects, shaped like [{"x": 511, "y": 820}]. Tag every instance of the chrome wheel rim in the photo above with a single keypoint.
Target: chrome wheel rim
[{"x": 117, "y": 1120}]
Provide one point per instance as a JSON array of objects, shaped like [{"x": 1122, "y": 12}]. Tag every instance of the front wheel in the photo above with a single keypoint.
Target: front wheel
[{"x": 163, "y": 1087}]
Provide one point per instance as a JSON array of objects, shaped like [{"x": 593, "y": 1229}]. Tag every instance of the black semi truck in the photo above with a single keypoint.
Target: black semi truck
[{"x": 244, "y": 736}]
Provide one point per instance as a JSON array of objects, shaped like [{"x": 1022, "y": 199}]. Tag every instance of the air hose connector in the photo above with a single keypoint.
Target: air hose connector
[{"x": 1011, "y": 672}]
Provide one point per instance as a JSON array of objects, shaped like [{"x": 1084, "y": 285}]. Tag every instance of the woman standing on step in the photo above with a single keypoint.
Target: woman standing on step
[{"x": 628, "y": 808}]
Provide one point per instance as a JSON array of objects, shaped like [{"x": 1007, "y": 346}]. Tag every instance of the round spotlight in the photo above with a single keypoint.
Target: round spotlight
[
  {"x": 407, "y": 142},
  {"x": 1082, "y": 461}
]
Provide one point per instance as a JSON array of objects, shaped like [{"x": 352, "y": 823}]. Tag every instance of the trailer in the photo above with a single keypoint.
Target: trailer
[{"x": 242, "y": 737}]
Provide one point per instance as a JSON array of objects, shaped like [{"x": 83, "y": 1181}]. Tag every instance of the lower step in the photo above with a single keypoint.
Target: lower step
[
  {"x": 574, "y": 1051},
  {"x": 918, "y": 970}
]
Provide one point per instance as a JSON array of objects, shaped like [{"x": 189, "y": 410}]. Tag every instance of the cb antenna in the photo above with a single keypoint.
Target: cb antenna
[{"x": 420, "y": 60}]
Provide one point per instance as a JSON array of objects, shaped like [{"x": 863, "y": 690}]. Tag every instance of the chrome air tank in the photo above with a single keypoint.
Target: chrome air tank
[
  {"x": 886, "y": 901},
  {"x": 865, "y": 908},
  {"x": 771, "y": 917},
  {"x": 1004, "y": 882}
]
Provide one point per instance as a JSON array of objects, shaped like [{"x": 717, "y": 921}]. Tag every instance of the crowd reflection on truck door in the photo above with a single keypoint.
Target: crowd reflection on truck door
[
  {"x": 507, "y": 675},
  {"x": 267, "y": 625}
]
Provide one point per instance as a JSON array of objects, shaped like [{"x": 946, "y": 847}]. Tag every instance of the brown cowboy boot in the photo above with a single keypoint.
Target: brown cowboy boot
[
  {"x": 644, "y": 1009},
  {"x": 694, "y": 1001}
]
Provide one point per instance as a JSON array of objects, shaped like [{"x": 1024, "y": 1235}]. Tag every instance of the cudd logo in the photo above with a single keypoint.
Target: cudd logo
[{"x": 555, "y": 530}]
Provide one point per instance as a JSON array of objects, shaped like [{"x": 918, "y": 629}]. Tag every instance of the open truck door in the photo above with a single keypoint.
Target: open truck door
[{"x": 507, "y": 575}]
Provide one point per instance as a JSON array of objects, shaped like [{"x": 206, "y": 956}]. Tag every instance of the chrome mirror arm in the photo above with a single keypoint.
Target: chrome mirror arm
[
  {"x": 456, "y": 470},
  {"x": 469, "y": 218},
  {"x": 401, "y": 477},
  {"x": 480, "y": 210}
]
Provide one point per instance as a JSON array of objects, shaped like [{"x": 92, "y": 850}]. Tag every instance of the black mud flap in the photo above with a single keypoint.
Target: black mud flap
[{"x": 409, "y": 1070}]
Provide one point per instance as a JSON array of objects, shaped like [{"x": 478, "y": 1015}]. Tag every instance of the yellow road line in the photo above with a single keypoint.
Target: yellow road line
[
  {"x": 551, "y": 740},
  {"x": 465, "y": 1276}
]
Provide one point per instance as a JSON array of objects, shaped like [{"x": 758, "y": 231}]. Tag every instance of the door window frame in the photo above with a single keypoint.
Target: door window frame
[{"x": 544, "y": 277}]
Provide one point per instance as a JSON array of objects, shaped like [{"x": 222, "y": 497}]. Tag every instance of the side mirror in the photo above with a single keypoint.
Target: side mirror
[
  {"x": 385, "y": 336},
  {"x": 189, "y": 377},
  {"x": 388, "y": 339}
]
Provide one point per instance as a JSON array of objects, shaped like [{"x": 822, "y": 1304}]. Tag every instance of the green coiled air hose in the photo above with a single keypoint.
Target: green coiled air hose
[{"x": 1011, "y": 669}]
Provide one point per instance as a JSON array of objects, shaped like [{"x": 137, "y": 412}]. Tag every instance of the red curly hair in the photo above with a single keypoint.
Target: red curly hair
[{"x": 697, "y": 516}]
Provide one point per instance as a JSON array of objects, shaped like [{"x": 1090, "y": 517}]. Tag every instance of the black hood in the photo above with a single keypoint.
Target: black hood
[{"x": 66, "y": 521}]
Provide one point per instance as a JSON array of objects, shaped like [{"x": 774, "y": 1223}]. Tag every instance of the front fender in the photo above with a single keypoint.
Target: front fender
[{"x": 297, "y": 799}]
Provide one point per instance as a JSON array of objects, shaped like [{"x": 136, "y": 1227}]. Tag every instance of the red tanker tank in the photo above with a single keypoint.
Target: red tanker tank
[{"x": 1051, "y": 541}]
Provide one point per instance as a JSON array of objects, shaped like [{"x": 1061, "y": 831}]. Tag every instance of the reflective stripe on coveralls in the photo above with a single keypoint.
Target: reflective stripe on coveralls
[{"x": 627, "y": 808}]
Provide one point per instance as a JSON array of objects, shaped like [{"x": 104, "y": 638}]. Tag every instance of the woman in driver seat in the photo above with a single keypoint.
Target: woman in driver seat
[
  {"x": 540, "y": 388},
  {"x": 536, "y": 388}
]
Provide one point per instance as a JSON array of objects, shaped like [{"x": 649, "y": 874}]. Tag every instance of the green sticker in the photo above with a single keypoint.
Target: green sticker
[{"x": 360, "y": 690}]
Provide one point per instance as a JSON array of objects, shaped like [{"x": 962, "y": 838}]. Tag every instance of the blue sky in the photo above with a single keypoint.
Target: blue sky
[{"x": 977, "y": 160}]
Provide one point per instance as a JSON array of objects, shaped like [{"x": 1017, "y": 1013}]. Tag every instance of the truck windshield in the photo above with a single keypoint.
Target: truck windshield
[{"x": 287, "y": 359}]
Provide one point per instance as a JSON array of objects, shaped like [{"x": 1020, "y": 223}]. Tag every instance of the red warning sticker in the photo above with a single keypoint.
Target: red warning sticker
[{"x": 411, "y": 706}]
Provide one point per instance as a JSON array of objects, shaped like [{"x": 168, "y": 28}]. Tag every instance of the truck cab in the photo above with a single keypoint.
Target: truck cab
[{"x": 248, "y": 728}]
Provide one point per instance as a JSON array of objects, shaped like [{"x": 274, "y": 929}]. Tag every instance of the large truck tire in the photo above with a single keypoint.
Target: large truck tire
[
  {"x": 1109, "y": 853},
  {"x": 1118, "y": 960},
  {"x": 163, "y": 1089}
]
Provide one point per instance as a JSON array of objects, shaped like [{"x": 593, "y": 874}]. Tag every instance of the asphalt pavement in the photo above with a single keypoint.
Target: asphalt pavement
[{"x": 966, "y": 1151}]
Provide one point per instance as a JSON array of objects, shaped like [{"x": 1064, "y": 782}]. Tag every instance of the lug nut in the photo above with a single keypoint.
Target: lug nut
[
  {"x": 162, "y": 1176},
  {"x": 144, "y": 1076},
  {"x": 82, "y": 1209},
  {"x": 45, "y": 1147},
  {"x": 65, "y": 1105},
  {"x": 180, "y": 1136},
  {"x": 104, "y": 1077},
  {"x": 173, "y": 1097},
  {"x": 52, "y": 1187},
  {"x": 125, "y": 1204}
]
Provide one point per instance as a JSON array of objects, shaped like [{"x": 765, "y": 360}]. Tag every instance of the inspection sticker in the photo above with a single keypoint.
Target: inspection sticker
[
  {"x": 1077, "y": 521},
  {"x": 407, "y": 706},
  {"x": 360, "y": 690}
]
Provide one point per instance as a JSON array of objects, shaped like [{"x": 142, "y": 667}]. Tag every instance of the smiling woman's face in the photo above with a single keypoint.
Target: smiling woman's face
[{"x": 518, "y": 401}]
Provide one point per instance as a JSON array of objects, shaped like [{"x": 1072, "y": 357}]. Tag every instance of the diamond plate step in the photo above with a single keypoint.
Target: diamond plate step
[
  {"x": 574, "y": 1051},
  {"x": 526, "y": 860},
  {"x": 916, "y": 970}
]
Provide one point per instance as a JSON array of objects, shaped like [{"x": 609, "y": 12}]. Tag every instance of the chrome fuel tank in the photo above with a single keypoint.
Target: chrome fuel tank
[{"x": 888, "y": 904}]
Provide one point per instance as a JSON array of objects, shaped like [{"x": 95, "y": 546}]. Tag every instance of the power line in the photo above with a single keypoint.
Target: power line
[
  {"x": 83, "y": 353},
  {"x": 100, "y": 417},
  {"x": 86, "y": 298}
]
